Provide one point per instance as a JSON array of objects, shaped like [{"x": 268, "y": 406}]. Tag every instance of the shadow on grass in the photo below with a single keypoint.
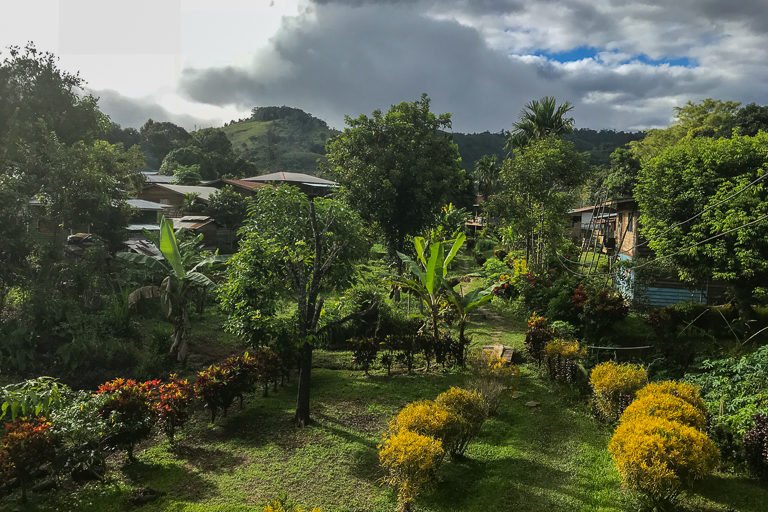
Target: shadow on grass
[
  {"x": 172, "y": 479},
  {"x": 204, "y": 458},
  {"x": 732, "y": 493}
]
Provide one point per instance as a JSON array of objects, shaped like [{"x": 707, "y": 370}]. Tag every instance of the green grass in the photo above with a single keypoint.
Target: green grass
[{"x": 552, "y": 457}]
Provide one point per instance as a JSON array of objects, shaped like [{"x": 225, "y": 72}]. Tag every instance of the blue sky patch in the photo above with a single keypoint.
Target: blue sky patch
[{"x": 590, "y": 52}]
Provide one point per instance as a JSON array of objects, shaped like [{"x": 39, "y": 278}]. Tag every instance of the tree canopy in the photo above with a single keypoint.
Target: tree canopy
[
  {"x": 398, "y": 168},
  {"x": 699, "y": 188}
]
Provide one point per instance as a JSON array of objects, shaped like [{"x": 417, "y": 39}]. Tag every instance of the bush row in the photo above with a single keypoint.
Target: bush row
[{"x": 51, "y": 430}]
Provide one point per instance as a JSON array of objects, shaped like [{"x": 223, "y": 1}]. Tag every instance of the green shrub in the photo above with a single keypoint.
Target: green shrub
[
  {"x": 81, "y": 431},
  {"x": 364, "y": 352},
  {"x": 614, "y": 387}
]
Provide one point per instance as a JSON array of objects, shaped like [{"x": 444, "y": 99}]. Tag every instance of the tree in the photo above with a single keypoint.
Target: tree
[
  {"x": 187, "y": 174},
  {"x": 707, "y": 118},
  {"x": 398, "y": 168},
  {"x": 228, "y": 207},
  {"x": 160, "y": 138},
  {"x": 464, "y": 304},
  {"x": 622, "y": 175},
  {"x": 181, "y": 268},
  {"x": 699, "y": 188},
  {"x": 540, "y": 119},
  {"x": 752, "y": 118},
  {"x": 301, "y": 248},
  {"x": 487, "y": 171},
  {"x": 536, "y": 191}
]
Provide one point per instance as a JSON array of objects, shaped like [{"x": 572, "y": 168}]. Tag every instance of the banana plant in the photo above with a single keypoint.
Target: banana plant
[
  {"x": 428, "y": 274},
  {"x": 464, "y": 304},
  {"x": 181, "y": 265}
]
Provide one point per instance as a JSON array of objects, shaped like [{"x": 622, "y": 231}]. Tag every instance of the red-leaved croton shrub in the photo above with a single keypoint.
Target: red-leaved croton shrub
[
  {"x": 171, "y": 402},
  {"x": 537, "y": 337},
  {"x": 128, "y": 412},
  {"x": 213, "y": 387},
  {"x": 27, "y": 446}
]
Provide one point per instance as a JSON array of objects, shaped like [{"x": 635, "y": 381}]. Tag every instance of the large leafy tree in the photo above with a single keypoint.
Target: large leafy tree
[
  {"x": 700, "y": 188},
  {"x": 540, "y": 119},
  {"x": 299, "y": 250},
  {"x": 398, "y": 168},
  {"x": 537, "y": 188},
  {"x": 158, "y": 138},
  {"x": 182, "y": 277}
]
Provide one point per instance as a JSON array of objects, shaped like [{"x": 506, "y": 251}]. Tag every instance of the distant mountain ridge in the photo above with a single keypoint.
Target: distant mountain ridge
[{"x": 289, "y": 139}]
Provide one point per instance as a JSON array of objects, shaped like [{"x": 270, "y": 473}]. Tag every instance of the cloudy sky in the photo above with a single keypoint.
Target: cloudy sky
[{"x": 623, "y": 63}]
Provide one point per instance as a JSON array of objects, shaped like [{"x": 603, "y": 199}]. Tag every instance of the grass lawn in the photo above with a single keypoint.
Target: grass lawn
[{"x": 548, "y": 458}]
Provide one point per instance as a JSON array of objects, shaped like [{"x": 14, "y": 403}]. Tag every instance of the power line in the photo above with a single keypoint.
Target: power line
[
  {"x": 710, "y": 207},
  {"x": 703, "y": 241}
]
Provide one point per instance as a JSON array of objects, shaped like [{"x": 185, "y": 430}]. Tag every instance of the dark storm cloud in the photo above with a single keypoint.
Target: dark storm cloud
[
  {"x": 134, "y": 112},
  {"x": 472, "y": 58}
]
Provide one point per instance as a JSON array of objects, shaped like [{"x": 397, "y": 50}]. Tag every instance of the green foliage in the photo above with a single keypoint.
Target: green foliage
[
  {"x": 540, "y": 119},
  {"x": 703, "y": 173},
  {"x": 486, "y": 175},
  {"x": 33, "y": 397},
  {"x": 81, "y": 429},
  {"x": 735, "y": 390},
  {"x": 536, "y": 192},
  {"x": 182, "y": 277},
  {"x": 158, "y": 139},
  {"x": 364, "y": 352},
  {"x": 756, "y": 446},
  {"x": 400, "y": 180},
  {"x": 228, "y": 207}
]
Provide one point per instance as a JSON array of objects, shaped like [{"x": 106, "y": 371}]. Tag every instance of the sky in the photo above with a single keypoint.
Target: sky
[{"x": 623, "y": 64}]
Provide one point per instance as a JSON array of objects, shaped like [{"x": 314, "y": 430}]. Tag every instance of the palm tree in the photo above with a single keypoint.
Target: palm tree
[
  {"x": 540, "y": 118},
  {"x": 487, "y": 175},
  {"x": 181, "y": 267}
]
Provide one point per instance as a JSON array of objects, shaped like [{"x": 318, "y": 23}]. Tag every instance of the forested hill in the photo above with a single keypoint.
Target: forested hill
[
  {"x": 280, "y": 138},
  {"x": 287, "y": 138}
]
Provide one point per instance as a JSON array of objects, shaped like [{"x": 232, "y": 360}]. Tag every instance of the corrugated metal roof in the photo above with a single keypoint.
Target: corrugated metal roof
[
  {"x": 293, "y": 177},
  {"x": 191, "y": 222},
  {"x": 142, "y": 227},
  {"x": 203, "y": 192},
  {"x": 143, "y": 204},
  {"x": 154, "y": 177}
]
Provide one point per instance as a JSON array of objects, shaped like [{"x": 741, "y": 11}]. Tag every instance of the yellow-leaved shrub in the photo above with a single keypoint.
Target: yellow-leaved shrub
[
  {"x": 682, "y": 390},
  {"x": 614, "y": 386},
  {"x": 428, "y": 418},
  {"x": 562, "y": 358},
  {"x": 665, "y": 406},
  {"x": 411, "y": 461},
  {"x": 470, "y": 409},
  {"x": 658, "y": 457},
  {"x": 492, "y": 377}
]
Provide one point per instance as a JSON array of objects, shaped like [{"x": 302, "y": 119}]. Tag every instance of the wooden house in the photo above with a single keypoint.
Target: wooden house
[
  {"x": 172, "y": 196},
  {"x": 310, "y": 185}
]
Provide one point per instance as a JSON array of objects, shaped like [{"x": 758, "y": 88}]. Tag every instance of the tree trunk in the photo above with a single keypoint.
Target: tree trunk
[{"x": 302, "y": 418}]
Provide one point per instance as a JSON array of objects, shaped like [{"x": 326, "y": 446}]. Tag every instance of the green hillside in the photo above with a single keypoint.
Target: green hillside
[
  {"x": 280, "y": 138},
  {"x": 289, "y": 139}
]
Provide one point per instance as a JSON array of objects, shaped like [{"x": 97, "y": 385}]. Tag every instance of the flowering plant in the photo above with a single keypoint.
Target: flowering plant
[
  {"x": 26, "y": 446},
  {"x": 127, "y": 411}
]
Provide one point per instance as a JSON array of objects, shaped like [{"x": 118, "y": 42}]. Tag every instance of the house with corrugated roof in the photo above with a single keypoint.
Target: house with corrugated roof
[{"x": 311, "y": 185}]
